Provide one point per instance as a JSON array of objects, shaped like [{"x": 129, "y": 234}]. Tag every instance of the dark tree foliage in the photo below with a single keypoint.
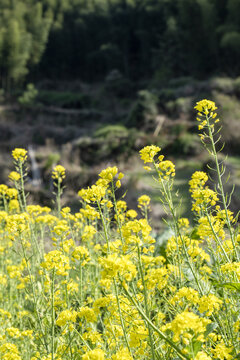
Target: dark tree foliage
[
  {"x": 24, "y": 30},
  {"x": 67, "y": 39}
]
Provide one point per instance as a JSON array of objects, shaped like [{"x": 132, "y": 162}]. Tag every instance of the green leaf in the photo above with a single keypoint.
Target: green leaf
[
  {"x": 210, "y": 328},
  {"x": 229, "y": 285},
  {"x": 197, "y": 345},
  {"x": 194, "y": 234}
]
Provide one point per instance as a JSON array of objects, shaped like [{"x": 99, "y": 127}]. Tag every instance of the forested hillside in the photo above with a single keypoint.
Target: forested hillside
[{"x": 158, "y": 39}]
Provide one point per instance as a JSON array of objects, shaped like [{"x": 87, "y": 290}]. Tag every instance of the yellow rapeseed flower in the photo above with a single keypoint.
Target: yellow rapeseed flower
[
  {"x": 56, "y": 260},
  {"x": 3, "y": 189},
  {"x": 96, "y": 354},
  {"x": 166, "y": 169},
  {"x": 222, "y": 352},
  {"x": 122, "y": 354},
  {"x": 59, "y": 173},
  {"x": 202, "y": 356},
  {"x": 14, "y": 176},
  {"x": 12, "y": 193},
  {"x": 205, "y": 106},
  {"x": 19, "y": 155},
  {"x": 148, "y": 153},
  {"x": 66, "y": 316},
  {"x": 95, "y": 193},
  {"x": 143, "y": 201},
  {"x": 209, "y": 304},
  {"x": 109, "y": 173},
  {"x": 206, "y": 114},
  {"x": 187, "y": 325}
]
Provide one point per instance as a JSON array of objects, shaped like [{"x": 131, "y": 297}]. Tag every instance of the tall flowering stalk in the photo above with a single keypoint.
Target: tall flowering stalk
[
  {"x": 20, "y": 157},
  {"x": 207, "y": 118},
  {"x": 58, "y": 174}
]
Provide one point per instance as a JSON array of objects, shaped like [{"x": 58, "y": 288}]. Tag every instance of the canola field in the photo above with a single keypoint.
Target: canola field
[{"x": 91, "y": 286}]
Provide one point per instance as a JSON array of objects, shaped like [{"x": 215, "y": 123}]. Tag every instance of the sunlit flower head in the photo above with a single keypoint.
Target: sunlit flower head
[
  {"x": 206, "y": 114},
  {"x": 59, "y": 172},
  {"x": 148, "y": 153},
  {"x": 19, "y": 155},
  {"x": 14, "y": 176},
  {"x": 144, "y": 201},
  {"x": 205, "y": 106}
]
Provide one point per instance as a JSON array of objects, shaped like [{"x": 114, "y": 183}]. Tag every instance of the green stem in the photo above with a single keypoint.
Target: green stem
[
  {"x": 121, "y": 317},
  {"x": 216, "y": 238},
  {"x": 85, "y": 342},
  {"x": 146, "y": 303},
  {"x": 81, "y": 292},
  {"x": 5, "y": 204},
  {"x": 116, "y": 211},
  {"x": 168, "y": 197},
  {"x": 69, "y": 345},
  {"x": 52, "y": 313},
  {"x": 214, "y": 153},
  {"x": 24, "y": 203},
  {"x": 34, "y": 296},
  {"x": 160, "y": 333},
  {"x": 104, "y": 227},
  {"x": 58, "y": 197},
  {"x": 114, "y": 280}
]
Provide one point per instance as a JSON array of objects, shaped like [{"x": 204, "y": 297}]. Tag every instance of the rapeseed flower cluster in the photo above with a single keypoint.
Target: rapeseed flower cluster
[
  {"x": 19, "y": 155},
  {"x": 57, "y": 261},
  {"x": 206, "y": 114},
  {"x": 59, "y": 173},
  {"x": 14, "y": 176},
  {"x": 92, "y": 285}
]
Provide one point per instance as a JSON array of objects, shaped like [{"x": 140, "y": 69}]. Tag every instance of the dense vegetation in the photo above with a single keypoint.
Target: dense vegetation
[
  {"x": 87, "y": 39},
  {"x": 95, "y": 285}
]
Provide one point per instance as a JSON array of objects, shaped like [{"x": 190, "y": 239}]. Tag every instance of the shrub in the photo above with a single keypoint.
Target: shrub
[
  {"x": 225, "y": 85},
  {"x": 29, "y": 96},
  {"x": 65, "y": 99},
  {"x": 111, "y": 131},
  {"x": 2, "y": 96},
  {"x": 186, "y": 144},
  {"x": 144, "y": 110},
  {"x": 230, "y": 111},
  {"x": 182, "y": 105}
]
